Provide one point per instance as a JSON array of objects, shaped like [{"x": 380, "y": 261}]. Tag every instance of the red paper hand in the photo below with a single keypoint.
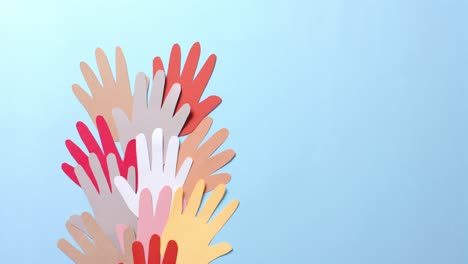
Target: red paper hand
[
  {"x": 108, "y": 146},
  {"x": 170, "y": 256},
  {"x": 192, "y": 87}
]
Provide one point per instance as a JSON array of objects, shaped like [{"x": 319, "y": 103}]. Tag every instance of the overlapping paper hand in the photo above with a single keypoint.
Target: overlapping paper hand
[{"x": 145, "y": 196}]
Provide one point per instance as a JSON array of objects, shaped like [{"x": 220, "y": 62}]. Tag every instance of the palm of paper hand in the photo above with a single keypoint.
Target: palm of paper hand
[{"x": 194, "y": 233}]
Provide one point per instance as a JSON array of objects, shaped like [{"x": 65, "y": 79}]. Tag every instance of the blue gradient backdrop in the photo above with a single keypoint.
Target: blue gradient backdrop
[{"x": 349, "y": 118}]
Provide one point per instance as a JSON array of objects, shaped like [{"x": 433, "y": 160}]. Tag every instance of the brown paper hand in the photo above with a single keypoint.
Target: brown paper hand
[
  {"x": 108, "y": 95},
  {"x": 100, "y": 248}
]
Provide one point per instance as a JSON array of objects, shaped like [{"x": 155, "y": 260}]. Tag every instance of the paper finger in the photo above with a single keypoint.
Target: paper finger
[
  {"x": 131, "y": 178},
  {"x": 87, "y": 186},
  {"x": 171, "y": 158},
  {"x": 77, "y": 222},
  {"x": 219, "y": 250},
  {"x": 218, "y": 161},
  {"x": 173, "y": 70},
  {"x": 213, "y": 181},
  {"x": 183, "y": 173},
  {"x": 191, "y": 63},
  {"x": 123, "y": 126},
  {"x": 138, "y": 253},
  {"x": 91, "y": 80},
  {"x": 170, "y": 255},
  {"x": 113, "y": 170},
  {"x": 221, "y": 219},
  {"x": 195, "y": 199},
  {"x": 157, "y": 65},
  {"x": 180, "y": 118},
  {"x": 69, "y": 250},
  {"x": 140, "y": 102},
  {"x": 154, "y": 254},
  {"x": 170, "y": 103},
  {"x": 128, "y": 194},
  {"x": 94, "y": 230},
  {"x": 98, "y": 172},
  {"x": 163, "y": 208},
  {"x": 191, "y": 143},
  {"x": 80, "y": 238},
  {"x": 104, "y": 69},
  {"x": 207, "y": 211},
  {"x": 157, "y": 92},
  {"x": 82, "y": 96},
  {"x": 203, "y": 109},
  {"x": 69, "y": 170},
  {"x": 129, "y": 238},
  {"x": 213, "y": 143},
  {"x": 204, "y": 75},
  {"x": 157, "y": 149},
  {"x": 143, "y": 159},
  {"x": 122, "y": 79}
]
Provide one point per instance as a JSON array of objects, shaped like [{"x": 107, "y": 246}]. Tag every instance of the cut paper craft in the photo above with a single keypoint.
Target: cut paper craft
[
  {"x": 108, "y": 205},
  {"x": 154, "y": 173},
  {"x": 138, "y": 219},
  {"x": 170, "y": 255},
  {"x": 192, "y": 87},
  {"x": 193, "y": 232},
  {"x": 108, "y": 95},
  {"x": 148, "y": 116},
  {"x": 151, "y": 221},
  {"x": 204, "y": 164},
  {"x": 96, "y": 247},
  {"x": 108, "y": 147}
]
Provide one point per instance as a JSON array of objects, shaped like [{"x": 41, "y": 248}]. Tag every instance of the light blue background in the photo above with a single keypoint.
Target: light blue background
[{"x": 349, "y": 118}]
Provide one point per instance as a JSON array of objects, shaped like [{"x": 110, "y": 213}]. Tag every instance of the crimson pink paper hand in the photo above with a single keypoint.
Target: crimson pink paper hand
[
  {"x": 192, "y": 86},
  {"x": 108, "y": 147}
]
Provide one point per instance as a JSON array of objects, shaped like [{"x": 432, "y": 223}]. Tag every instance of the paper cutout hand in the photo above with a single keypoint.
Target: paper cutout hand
[
  {"x": 108, "y": 147},
  {"x": 108, "y": 205},
  {"x": 151, "y": 221},
  {"x": 194, "y": 233},
  {"x": 157, "y": 174},
  {"x": 192, "y": 87},
  {"x": 100, "y": 250},
  {"x": 112, "y": 93},
  {"x": 170, "y": 256},
  {"x": 204, "y": 165},
  {"x": 153, "y": 114}
]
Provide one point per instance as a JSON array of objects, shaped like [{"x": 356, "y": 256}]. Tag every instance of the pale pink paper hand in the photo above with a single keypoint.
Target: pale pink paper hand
[{"x": 150, "y": 222}]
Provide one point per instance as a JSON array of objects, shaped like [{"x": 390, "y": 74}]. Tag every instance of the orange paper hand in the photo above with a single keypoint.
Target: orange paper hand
[
  {"x": 193, "y": 232},
  {"x": 204, "y": 165},
  {"x": 108, "y": 95}
]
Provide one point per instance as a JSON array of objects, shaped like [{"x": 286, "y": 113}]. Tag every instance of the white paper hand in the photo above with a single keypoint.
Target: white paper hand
[{"x": 154, "y": 173}]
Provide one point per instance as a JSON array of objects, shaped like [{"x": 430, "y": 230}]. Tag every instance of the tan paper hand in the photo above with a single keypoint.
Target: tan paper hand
[
  {"x": 204, "y": 165},
  {"x": 108, "y": 95},
  {"x": 193, "y": 232},
  {"x": 101, "y": 249}
]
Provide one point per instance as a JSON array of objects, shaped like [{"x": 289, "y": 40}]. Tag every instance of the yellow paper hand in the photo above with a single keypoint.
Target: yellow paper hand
[{"x": 193, "y": 232}]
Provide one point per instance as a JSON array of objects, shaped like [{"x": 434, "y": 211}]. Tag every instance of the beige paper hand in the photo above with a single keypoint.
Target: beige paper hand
[
  {"x": 204, "y": 164},
  {"x": 193, "y": 232},
  {"x": 101, "y": 249},
  {"x": 108, "y": 95},
  {"x": 149, "y": 112}
]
